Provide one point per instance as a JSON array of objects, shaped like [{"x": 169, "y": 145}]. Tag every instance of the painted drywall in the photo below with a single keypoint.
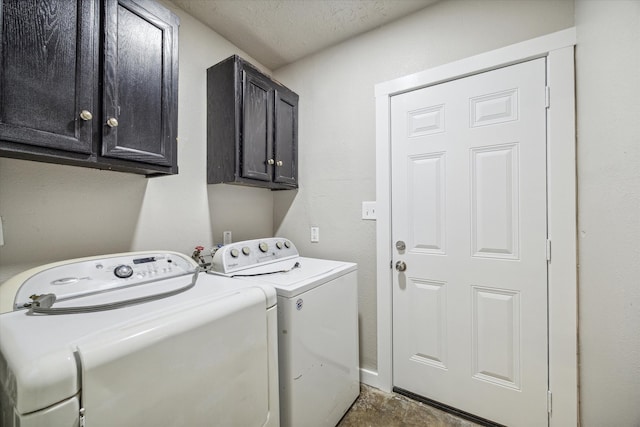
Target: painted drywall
[
  {"x": 608, "y": 120},
  {"x": 337, "y": 121},
  {"x": 52, "y": 212}
]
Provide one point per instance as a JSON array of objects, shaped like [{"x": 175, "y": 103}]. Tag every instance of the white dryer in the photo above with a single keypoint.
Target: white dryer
[
  {"x": 137, "y": 339},
  {"x": 317, "y": 326}
]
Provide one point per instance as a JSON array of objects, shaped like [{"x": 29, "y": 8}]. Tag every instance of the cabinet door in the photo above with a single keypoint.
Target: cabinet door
[
  {"x": 286, "y": 138},
  {"x": 257, "y": 132},
  {"x": 47, "y": 73},
  {"x": 140, "y": 82}
]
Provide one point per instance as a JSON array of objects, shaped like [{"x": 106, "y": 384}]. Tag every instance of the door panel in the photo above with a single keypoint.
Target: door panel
[
  {"x": 257, "y": 132},
  {"x": 138, "y": 84},
  {"x": 426, "y": 203},
  {"x": 47, "y": 51},
  {"x": 430, "y": 306},
  {"x": 496, "y": 336},
  {"x": 494, "y": 201},
  {"x": 469, "y": 200},
  {"x": 286, "y": 137}
]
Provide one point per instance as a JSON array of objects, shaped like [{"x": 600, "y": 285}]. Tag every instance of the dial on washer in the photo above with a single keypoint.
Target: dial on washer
[{"x": 123, "y": 271}]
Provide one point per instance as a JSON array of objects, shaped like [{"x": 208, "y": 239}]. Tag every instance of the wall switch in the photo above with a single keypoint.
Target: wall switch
[
  {"x": 369, "y": 210},
  {"x": 315, "y": 234},
  {"x": 226, "y": 238}
]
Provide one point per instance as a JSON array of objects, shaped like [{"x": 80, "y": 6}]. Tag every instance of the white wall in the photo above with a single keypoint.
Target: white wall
[
  {"x": 52, "y": 212},
  {"x": 337, "y": 121},
  {"x": 608, "y": 115}
]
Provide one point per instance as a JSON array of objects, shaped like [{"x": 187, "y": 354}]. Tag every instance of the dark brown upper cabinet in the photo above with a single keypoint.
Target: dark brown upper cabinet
[
  {"x": 252, "y": 128},
  {"x": 90, "y": 83}
]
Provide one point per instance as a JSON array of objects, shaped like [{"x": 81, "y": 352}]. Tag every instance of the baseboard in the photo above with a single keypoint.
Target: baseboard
[{"x": 369, "y": 378}]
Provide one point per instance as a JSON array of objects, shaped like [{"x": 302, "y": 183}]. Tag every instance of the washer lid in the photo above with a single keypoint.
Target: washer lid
[{"x": 309, "y": 273}]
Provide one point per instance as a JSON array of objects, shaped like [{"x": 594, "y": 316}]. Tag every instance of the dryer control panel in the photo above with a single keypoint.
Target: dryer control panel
[
  {"x": 252, "y": 253},
  {"x": 86, "y": 276}
]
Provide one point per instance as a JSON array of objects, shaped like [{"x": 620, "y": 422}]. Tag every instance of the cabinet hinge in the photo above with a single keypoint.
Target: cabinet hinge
[
  {"x": 548, "y": 250},
  {"x": 549, "y": 401},
  {"x": 547, "y": 96}
]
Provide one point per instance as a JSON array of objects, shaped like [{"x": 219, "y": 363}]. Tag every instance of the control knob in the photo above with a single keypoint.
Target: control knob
[{"x": 123, "y": 271}]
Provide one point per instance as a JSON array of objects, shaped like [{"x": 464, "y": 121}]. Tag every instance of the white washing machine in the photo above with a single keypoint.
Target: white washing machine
[
  {"x": 136, "y": 339},
  {"x": 317, "y": 326}
]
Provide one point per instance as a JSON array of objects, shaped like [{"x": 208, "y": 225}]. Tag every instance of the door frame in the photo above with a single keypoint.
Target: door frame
[{"x": 558, "y": 49}]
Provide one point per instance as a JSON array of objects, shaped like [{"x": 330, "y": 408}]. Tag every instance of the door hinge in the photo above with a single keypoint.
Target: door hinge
[
  {"x": 547, "y": 96},
  {"x": 391, "y": 264},
  {"x": 549, "y": 401},
  {"x": 548, "y": 250}
]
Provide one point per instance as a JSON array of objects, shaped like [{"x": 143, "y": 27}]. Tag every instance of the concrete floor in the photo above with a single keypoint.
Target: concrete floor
[{"x": 375, "y": 408}]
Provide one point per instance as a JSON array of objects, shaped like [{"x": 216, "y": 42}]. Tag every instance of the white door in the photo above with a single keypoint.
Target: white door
[{"x": 469, "y": 202}]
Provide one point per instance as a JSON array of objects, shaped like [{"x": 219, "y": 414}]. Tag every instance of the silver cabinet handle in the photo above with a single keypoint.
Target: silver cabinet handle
[
  {"x": 270, "y": 161},
  {"x": 401, "y": 266},
  {"x": 112, "y": 122},
  {"x": 86, "y": 115},
  {"x": 279, "y": 163}
]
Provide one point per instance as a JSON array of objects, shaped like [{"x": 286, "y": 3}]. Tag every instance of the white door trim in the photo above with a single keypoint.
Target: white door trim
[{"x": 558, "y": 48}]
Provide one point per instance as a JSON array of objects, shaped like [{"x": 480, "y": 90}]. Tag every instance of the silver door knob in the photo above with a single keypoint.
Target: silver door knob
[
  {"x": 401, "y": 266},
  {"x": 112, "y": 122},
  {"x": 86, "y": 115},
  {"x": 270, "y": 162},
  {"x": 279, "y": 163}
]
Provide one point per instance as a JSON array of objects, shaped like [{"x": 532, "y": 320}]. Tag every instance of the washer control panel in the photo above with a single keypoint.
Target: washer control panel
[
  {"x": 252, "y": 253},
  {"x": 77, "y": 278}
]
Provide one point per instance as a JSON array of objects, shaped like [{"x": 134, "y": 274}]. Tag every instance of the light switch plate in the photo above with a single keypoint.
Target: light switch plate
[
  {"x": 369, "y": 210},
  {"x": 315, "y": 234}
]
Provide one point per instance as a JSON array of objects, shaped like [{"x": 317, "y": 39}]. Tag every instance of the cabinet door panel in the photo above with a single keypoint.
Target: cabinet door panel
[
  {"x": 47, "y": 77},
  {"x": 257, "y": 131},
  {"x": 286, "y": 138},
  {"x": 138, "y": 84}
]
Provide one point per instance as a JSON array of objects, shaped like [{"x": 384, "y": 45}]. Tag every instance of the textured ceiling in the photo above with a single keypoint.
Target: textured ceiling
[{"x": 278, "y": 32}]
